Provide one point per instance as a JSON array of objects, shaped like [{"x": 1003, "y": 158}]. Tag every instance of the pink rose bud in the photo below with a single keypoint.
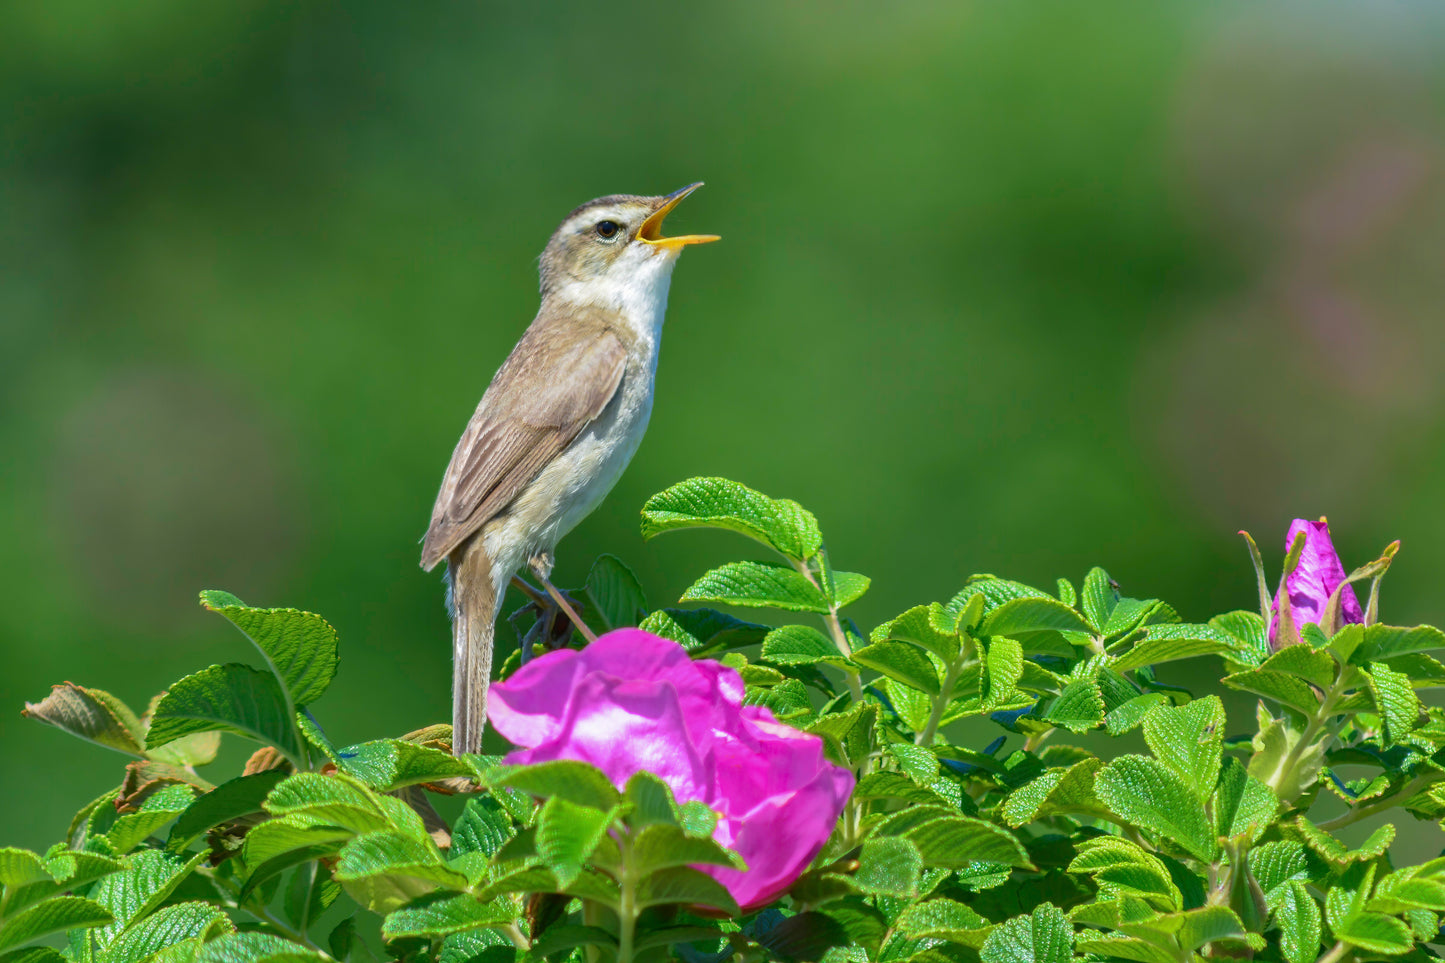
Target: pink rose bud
[
  {"x": 633, "y": 702},
  {"x": 1314, "y": 580}
]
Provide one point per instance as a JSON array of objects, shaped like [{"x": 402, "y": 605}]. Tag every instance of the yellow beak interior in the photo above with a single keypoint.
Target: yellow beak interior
[{"x": 651, "y": 230}]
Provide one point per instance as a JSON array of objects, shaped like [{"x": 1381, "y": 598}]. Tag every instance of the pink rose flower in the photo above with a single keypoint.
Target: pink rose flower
[
  {"x": 1313, "y": 581},
  {"x": 633, "y": 702}
]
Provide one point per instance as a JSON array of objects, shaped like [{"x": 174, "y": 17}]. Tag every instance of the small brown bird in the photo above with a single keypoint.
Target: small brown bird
[{"x": 555, "y": 428}]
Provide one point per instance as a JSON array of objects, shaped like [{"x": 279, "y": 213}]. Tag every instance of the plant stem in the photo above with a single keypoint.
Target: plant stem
[
  {"x": 1284, "y": 772},
  {"x": 835, "y": 629},
  {"x": 945, "y": 694},
  {"x": 1337, "y": 953},
  {"x": 627, "y": 904},
  {"x": 1384, "y": 803}
]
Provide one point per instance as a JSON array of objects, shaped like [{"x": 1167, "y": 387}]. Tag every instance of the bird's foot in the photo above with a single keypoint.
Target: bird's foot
[
  {"x": 542, "y": 567},
  {"x": 553, "y": 623}
]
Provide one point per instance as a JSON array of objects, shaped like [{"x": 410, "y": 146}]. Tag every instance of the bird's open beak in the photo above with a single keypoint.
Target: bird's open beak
[{"x": 651, "y": 230}]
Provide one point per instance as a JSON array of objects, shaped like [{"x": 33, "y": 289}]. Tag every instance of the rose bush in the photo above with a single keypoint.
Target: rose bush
[{"x": 633, "y": 702}]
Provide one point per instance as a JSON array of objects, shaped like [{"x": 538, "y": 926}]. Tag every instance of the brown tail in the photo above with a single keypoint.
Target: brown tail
[{"x": 474, "y": 611}]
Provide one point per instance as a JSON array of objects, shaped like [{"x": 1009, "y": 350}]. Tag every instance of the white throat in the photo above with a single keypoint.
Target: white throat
[{"x": 635, "y": 286}]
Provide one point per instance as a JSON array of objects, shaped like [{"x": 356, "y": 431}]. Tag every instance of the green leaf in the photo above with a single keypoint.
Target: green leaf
[
  {"x": 299, "y": 647},
  {"x": 800, "y": 645},
  {"x": 1131, "y": 713},
  {"x": 850, "y": 736},
  {"x": 901, "y": 662},
  {"x": 1382, "y": 642},
  {"x": 770, "y": 585},
  {"x": 889, "y": 866},
  {"x": 1003, "y": 668},
  {"x": 719, "y": 503},
  {"x": 929, "y": 626},
  {"x": 441, "y": 915},
  {"x": 162, "y": 806},
  {"x": 943, "y": 919},
  {"x": 255, "y": 948},
  {"x": 34, "y": 954},
  {"x": 1079, "y": 708},
  {"x": 483, "y": 827},
  {"x": 567, "y": 835},
  {"x": 1020, "y": 618},
  {"x": 576, "y": 782},
  {"x": 20, "y": 868},
  {"x": 680, "y": 884},
  {"x": 230, "y": 800},
  {"x": 1282, "y": 687},
  {"x": 91, "y": 714},
  {"x": 342, "y": 938},
  {"x": 1395, "y": 697},
  {"x": 615, "y": 593},
  {"x": 1273, "y": 744},
  {"x": 1099, "y": 597},
  {"x": 1146, "y": 793},
  {"x": 1189, "y": 739},
  {"x": 52, "y": 916},
  {"x": 389, "y": 764},
  {"x": 1374, "y": 932},
  {"x": 1044, "y": 936},
  {"x": 232, "y": 698},
  {"x": 1170, "y": 643},
  {"x": 167, "y": 926},
  {"x": 702, "y": 631},
  {"x": 136, "y": 891},
  {"x": 327, "y": 799},
  {"x": 569, "y": 936},
  {"x": 1242, "y": 804},
  {"x": 661, "y": 846},
  {"x": 952, "y": 842},
  {"x": 389, "y": 853},
  {"x": 1068, "y": 790},
  {"x": 1298, "y": 917},
  {"x": 805, "y": 936}
]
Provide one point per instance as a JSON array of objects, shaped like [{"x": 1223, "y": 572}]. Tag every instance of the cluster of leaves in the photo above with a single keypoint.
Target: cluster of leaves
[{"x": 1029, "y": 849}]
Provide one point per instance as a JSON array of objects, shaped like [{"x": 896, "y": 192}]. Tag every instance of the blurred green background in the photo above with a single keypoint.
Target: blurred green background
[{"x": 1018, "y": 288}]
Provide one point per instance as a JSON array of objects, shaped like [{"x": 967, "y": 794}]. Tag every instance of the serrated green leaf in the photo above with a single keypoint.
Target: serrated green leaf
[
  {"x": 327, "y": 799},
  {"x": 719, "y": 503},
  {"x": 889, "y": 866},
  {"x": 1131, "y": 713},
  {"x": 1298, "y": 917},
  {"x": 569, "y": 936},
  {"x": 614, "y": 592},
  {"x": 567, "y": 835},
  {"x": 952, "y": 842},
  {"x": 800, "y": 645},
  {"x": 91, "y": 714},
  {"x": 1146, "y": 793},
  {"x": 1170, "y": 643},
  {"x": 1003, "y": 668},
  {"x": 441, "y": 915},
  {"x": 483, "y": 827},
  {"x": 901, "y": 662},
  {"x": 392, "y": 854},
  {"x": 1396, "y": 700},
  {"x": 136, "y": 891},
  {"x": 52, "y": 916},
  {"x": 661, "y": 846},
  {"x": 1279, "y": 686},
  {"x": 1079, "y": 708},
  {"x": 230, "y": 800},
  {"x": 389, "y": 764},
  {"x": 1023, "y": 617},
  {"x": 1099, "y": 597},
  {"x": 1242, "y": 804},
  {"x": 703, "y": 631},
  {"x": 20, "y": 868},
  {"x": 929, "y": 626},
  {"x": 849, "y": 736},
  {"x": 943, "y": 919},
  {"x": 758, "y": 585},
  {"x": 167, "y": 926},
  {"x": 1044, "y": 936},
  {"x": 788, "y": 700},
  {"x": 162, "y": 806},
  {"x": 33, "y": 954},
  {"x": 1381, "y": 642},
  {"x": 231, "y": 698},
  {"x": 1374, "y": 932},
  {"x": 301, "y": 648},
  {"x": 1189, "y": 739},
  {"x": 576, "y": 782},
  {"x": 679, "y": 884},
  {"x": 255, "y": 948}
]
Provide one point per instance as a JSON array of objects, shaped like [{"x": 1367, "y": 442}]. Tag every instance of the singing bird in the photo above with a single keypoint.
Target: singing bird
[{"x": 555, "y": 428}]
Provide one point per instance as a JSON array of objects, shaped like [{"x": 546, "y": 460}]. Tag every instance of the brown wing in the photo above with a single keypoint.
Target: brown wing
[{"x": 558, "y": 378}]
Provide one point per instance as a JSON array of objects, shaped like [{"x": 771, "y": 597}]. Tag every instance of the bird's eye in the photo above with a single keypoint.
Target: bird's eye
[{"x": 607, "y": 230}]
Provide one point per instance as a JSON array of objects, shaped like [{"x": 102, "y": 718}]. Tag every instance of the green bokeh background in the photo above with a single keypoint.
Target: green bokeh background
[{"x": 1018, "y": 288}]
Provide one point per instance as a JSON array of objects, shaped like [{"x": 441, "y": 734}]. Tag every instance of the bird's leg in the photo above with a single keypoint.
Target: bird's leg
[{"x": 542, "y": 567}]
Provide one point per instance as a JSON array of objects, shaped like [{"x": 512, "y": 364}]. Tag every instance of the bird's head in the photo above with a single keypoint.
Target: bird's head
[{"x": 611, "y": 250}]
